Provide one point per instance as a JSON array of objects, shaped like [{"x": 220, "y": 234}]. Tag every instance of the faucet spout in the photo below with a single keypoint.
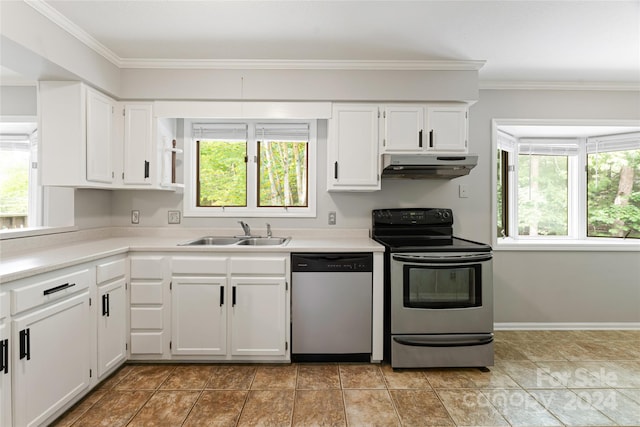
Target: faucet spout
[{"x": 245, "y": 228}]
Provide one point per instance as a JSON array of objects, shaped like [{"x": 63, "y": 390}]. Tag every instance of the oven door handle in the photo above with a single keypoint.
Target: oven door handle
[
  {"x": 447, "y": 259},
  {"x": 445, "y": 341}
]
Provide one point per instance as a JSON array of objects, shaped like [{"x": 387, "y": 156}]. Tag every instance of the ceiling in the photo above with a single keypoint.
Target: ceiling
[{"x": 521, "y": 41}]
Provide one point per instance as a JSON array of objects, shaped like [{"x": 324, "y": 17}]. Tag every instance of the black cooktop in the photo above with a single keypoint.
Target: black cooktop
[{"x": 420, "y": 230}]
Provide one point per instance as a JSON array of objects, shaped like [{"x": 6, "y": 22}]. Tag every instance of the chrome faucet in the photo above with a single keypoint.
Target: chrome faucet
[
  {"x": 269, "y": 230},
  {"x": 245, "y": 228}
]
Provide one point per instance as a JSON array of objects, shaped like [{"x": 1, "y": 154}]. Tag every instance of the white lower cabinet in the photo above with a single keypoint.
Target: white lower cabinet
[
  {"x": 5, "y": 361},
  {"x": 229, "y": 308},
  {"x": 51, "y": 358},
  {"x": 112, "y": 326},
  {"x": 258, "y": 322},
  {"x": 149, "y": 300},
  {"x": 199, "y": 316}
]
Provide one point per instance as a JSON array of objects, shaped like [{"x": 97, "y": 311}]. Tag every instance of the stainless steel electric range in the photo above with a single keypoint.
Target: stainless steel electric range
[{"x": 438, "y": 291}]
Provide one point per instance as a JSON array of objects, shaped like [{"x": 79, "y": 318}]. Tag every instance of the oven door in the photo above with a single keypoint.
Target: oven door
[{"x": 441, "y": 293}]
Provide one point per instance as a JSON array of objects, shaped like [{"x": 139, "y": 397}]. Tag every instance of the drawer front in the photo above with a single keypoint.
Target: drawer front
[
  {"x": 39, "y": 293},
  {"x": 110, "y": 270},
  {"x": 146, "y": 342},
  {"x": 146, "y": 292},
  {"x": 147, "y": 267},
  {"x": 146, "y": 317},
  {"x": 250, "y": 265},
  {"x": 4, "y": 305},
  {"x": 199, "y": 265}
]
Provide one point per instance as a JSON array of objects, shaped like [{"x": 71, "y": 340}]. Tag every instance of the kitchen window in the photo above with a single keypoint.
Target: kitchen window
[
  {"x": 566, "y": 188},
  {"x": 251, "y": 168}
]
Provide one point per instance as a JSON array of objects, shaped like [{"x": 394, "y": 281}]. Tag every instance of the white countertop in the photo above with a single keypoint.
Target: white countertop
[{"x": 36, "y": 261}]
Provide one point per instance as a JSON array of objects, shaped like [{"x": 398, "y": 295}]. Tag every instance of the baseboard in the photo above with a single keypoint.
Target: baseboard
[{"x": 559, "y": 326}]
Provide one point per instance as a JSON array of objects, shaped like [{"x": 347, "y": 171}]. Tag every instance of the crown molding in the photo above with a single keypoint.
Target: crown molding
[
  {"x": 532, "y": 85},
  {"x": 63, "y": 22},
  {"x": 259, "y": 64}
]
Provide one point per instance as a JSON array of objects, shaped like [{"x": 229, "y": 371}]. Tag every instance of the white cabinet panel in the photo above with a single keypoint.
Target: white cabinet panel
[
  {"x": 258, "y": 325},
  {"x": 138, "y": 144},
  {"x": 146, "y": 292},
  {"x": 257, "y": 265},
  {"x": 147, "y": 318},
  {"x": 199, "y": 311},
  {"x": 100, "y": 139},
  {"x": 151, "y": 342},
  {"x": 6, "y": 371},
  {"x": 199, "y": 265},
  {"x": 353, "y": 161},
  {"x": 51, "y": 360},
  {"x": 447, "y": 128},
  {"x": 112, "y": 326},
  {"x": 403, "y": 128},
  {"x": 147, "y": 267}
]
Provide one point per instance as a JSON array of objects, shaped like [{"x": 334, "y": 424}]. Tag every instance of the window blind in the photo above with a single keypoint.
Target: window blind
[
  {"x": 290, "y": 132},
  {"x": 621, "y": 142},
  {"x": 220, "y": 131},
  {"x": 549, "y": 147}
]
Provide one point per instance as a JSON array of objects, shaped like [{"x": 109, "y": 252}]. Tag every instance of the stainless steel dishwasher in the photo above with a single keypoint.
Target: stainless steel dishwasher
[{"x": 331, "y": 306}]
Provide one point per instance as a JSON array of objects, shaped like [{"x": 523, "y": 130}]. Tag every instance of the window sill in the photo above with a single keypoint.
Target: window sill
[
  {"x": 592, "y": 244},
  {"x": 34, "y": 231}
]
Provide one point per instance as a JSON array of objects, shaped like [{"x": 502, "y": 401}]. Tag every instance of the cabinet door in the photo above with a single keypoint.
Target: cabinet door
[
  {"x": 353, "y": 148},
  {"x": 51, "y": 359},
  {"x": 99, "y": 137},
  {"x": 258, "y": 316},
  {"x": 447, "y": 128},
  {"x": 199, "y": 312},
  {"x": 138, "y": 144},
  {"x": 5, "y": 375},
  {"x": 403, "y": 129},
  {"x": 112, "y": 332}
]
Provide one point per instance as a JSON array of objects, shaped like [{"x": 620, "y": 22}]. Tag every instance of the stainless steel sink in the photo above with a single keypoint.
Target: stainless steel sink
[
  {"x": 244, "y": 241},
  {"x": 264, "y": 241},
  {"x": 212, "y": 241}
]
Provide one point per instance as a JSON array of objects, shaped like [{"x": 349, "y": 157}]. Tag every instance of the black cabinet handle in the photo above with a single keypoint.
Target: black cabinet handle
[
  {"x": 108, "y": 305},
  {"x": 146, "y": 169},
  {"x": 25, "y": 344},
  {"x": 233, "y": 296},
  {"x": 58, "y": 288},
  {"x": 4, "y": 356},
  {"x": 335, "y": 170},
  {"x": 420, "y": 138},
  {"x": 221, "y": 296},
  {"x": 105, "y": 310},
  {"x": 431, "y": 138}
]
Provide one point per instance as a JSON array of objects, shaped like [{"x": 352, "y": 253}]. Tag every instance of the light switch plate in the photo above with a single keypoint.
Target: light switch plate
[
  {"x": 135, "y": 217},
  {"x": 174, "y": 217}
]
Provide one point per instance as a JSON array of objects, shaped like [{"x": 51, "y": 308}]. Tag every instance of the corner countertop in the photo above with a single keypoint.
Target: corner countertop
[{"x": 27, "y": 263}]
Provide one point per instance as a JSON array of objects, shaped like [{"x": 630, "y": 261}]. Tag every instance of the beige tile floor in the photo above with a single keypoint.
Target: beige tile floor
[{"x": 540, "y": 378}]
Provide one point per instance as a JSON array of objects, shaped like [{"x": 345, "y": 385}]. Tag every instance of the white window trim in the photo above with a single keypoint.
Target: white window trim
[
  {"x": 577, "y": 241},
  {"x": 191, "y": 210}
]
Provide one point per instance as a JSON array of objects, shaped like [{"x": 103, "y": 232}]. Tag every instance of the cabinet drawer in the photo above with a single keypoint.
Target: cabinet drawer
[
  {"x": 249, "y": 265},
  {"x": 199, "y": 265},
  {"x": 110, "y": 270},
  {"x": 146, "y": 342},
  {"x": 146, "y": 317},
  {"x": 42, "y": 292},
  {"x": 4, "y": 305},
  {"x": 146, "y": 293},
  {"x": 147, "y": 267}
]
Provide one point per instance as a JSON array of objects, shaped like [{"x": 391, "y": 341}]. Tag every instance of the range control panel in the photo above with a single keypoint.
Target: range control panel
[{"x": 420, "y": 216}]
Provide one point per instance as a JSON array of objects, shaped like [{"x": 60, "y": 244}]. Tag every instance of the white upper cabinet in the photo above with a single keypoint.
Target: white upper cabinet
[
  {"x": 138, "y": 144},
  {"x": 100, "y": 110},
  {"x": 403, "y": 128},
  {"x": 353, "y": 161},
  {"x": 447, "y": 128}
]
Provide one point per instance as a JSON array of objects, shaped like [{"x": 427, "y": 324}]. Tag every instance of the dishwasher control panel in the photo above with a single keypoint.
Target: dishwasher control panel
[{"x": 332, "y": 262}]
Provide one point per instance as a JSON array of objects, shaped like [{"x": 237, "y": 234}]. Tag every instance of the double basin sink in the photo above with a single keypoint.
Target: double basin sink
[{"x": 237, "y": 241}]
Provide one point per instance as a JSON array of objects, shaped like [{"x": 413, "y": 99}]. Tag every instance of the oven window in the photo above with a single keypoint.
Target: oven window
[{"x": 442, "y": 287}]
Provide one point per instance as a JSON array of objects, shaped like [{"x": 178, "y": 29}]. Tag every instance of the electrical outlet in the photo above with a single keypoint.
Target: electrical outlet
[
  {"x": 463, "y": 191},
  {"x": 174, "y": 217},
  {"x": 332, "y": 218},
  {"x": 135, "y": 217}
]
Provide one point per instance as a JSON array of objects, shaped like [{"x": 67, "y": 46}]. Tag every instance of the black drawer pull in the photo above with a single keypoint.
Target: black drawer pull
[
  {"x": 58, "y": 288},
  {"x": 105, "y": 305},
  {"x": 4, "y": 354},
  {"x": 221, "y": 296},
  {"x": 233, "y": 296},
  {"x": 420, "y": 138},
  {"x": 146, "y": 169},
  {"x": 25, "y": 344}
]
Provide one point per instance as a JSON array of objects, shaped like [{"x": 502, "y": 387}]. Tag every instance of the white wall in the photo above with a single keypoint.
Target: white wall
[{"x": 18, "y": 101}]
